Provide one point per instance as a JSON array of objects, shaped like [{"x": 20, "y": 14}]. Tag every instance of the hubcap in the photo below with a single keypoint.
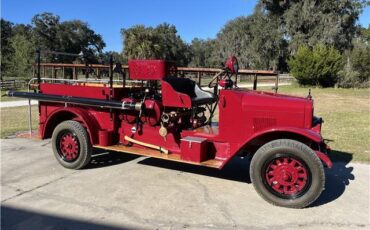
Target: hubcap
[
  {"x": 68, "y": 146},
  {"x": 286, "y": 176}
]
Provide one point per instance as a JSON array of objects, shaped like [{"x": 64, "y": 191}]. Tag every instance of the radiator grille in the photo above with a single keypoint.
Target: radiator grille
[{"x": 263, "y": 122}]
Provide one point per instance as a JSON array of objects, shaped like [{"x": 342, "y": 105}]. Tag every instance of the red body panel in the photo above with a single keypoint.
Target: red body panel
[
  {"x": 78, "y": 90},
  {"x": 151, "y": 69},
  {"x": 94, "y": 119},
  {"x": 260, "y": 112}
]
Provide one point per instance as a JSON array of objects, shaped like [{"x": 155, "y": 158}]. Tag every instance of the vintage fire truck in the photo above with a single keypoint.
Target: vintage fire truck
[{"x": 169, "y": 117}]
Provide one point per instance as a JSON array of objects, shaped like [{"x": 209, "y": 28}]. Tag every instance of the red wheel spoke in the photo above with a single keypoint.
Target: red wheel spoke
[
  {"x": 277, "y": 187},
  {"x": 293, "y": 163},
  {"x": 300, "y": 183},
  {"x": 294, "y": 190},
  {"x": 69, "y": 146},
  {"x": 302, "y": 176},
  {"x": 286, "y": 175},
  {"x": 271, "y": 180},
  {"x": 273, "y": 166},
  {"x": 286, "y": 190}
]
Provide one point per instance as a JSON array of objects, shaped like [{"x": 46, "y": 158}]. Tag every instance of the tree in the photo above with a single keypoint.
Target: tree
[
  {"x": 256, "y": 40},
  {"x": 331, "y": 22},
  {"x": 162, "y": 42},
  {"x": 6, "y": 49},
  {"x": 45, "y": 28},
  {"x": 356, "y": 71},
  {"x": 22, "y": 58},
  {"x": 17, "y": 50},
  {"x": 117, "y": 57},
  {"x": 172, "y": 46},
  {"x": 75, "y": 37},
  {"x": 234, "y": 39},
  {"x": 202, "y": 52},
  {"x": 316, "y": 66},
  {"x": 268, "y": 46},
  {"x": 364, "y": 34},
  {"x": 72, "y": 36}
]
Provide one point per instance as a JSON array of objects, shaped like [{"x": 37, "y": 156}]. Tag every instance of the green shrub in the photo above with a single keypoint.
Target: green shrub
[{"x": 318, "y": 66}]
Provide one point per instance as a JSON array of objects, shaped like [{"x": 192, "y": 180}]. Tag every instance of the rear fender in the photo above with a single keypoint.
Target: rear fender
[{"x": 69, "y": 113}]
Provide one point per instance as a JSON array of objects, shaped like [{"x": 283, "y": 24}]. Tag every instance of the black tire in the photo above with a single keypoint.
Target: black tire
[
  {"x": 267, "y": 166},
  {"x": 75, "y": 133}
]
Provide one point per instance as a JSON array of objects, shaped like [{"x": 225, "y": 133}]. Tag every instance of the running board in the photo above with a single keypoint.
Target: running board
[{"x": 156, "y": 154}]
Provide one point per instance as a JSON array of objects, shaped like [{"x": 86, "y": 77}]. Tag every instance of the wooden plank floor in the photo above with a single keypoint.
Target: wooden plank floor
[{"x": 156, "y": 154}]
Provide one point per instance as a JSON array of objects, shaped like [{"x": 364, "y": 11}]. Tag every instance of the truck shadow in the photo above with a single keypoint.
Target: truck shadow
[
  {"x": 103, "y": 158},
  {"x": 337, "y": 178},
  {"x": 236, "y": 169}
]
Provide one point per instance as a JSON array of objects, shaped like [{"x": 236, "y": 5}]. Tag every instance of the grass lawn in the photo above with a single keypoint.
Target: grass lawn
[
  {"x": 346, "y": 114},
  {"x": 15, "y": 119}
]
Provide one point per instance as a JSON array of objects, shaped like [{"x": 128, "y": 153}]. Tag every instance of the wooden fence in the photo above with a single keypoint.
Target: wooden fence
[
  {"x": 13, "y": 84},
  {"x": 200, "y": 75}
]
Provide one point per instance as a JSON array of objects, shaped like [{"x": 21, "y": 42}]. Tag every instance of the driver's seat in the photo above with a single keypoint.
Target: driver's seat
[
  {"x": 202, "y": 96},
  {"x": 190, "y": 88}
]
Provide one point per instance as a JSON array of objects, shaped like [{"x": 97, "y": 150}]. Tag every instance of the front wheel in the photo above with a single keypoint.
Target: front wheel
[
  {"x": 287, "y": 173},
  {"x": 71, "y": 145}
]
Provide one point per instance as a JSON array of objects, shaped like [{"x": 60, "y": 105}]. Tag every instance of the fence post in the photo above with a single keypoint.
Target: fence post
[
  {"x": 53, "y": 72},
  {"x": 74, "y": 73},
  {"x": 277, "y": 83},
  {"x": 255, "y": 82}
]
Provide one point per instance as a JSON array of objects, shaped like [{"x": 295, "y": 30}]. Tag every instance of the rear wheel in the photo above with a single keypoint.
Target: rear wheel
[
  {"x": 71, "y": 145},
  {"x": 287, "y": 173}
]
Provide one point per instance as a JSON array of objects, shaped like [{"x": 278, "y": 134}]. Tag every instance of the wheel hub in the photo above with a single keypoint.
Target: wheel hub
[
  {"x": 286, "y": 176},
  {"x": 69, "y": 146}
]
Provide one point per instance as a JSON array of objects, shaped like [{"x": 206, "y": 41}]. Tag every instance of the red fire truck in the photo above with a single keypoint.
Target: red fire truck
[{"x": 169, "y": 117}]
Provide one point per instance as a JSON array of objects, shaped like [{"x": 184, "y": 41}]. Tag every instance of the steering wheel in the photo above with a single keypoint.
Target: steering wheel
[{"x": 216, "y": 78}]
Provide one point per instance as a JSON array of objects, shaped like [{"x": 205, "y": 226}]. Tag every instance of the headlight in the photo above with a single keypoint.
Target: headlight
[{"x": 232, "y": 65}]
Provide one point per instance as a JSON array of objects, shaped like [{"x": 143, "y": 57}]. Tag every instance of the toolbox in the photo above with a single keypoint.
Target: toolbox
[{"x": 194, "y": 149}]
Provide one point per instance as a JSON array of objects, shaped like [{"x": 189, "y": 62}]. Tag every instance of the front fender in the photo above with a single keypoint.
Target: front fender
[
  {"x": 308, "y": 133},
  {"x": 281, "y": 132}
]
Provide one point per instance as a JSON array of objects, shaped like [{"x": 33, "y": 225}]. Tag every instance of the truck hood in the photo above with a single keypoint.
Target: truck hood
[
  {"x": 276, "y": 95},
  {"x": 287, "y": 110}
]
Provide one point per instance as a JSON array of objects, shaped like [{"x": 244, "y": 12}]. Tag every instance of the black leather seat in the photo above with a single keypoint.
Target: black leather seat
[{"x": 189, "y": 87}]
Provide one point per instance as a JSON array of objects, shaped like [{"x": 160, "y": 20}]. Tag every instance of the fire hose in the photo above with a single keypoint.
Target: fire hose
[{"x": 110, "y": 104}]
